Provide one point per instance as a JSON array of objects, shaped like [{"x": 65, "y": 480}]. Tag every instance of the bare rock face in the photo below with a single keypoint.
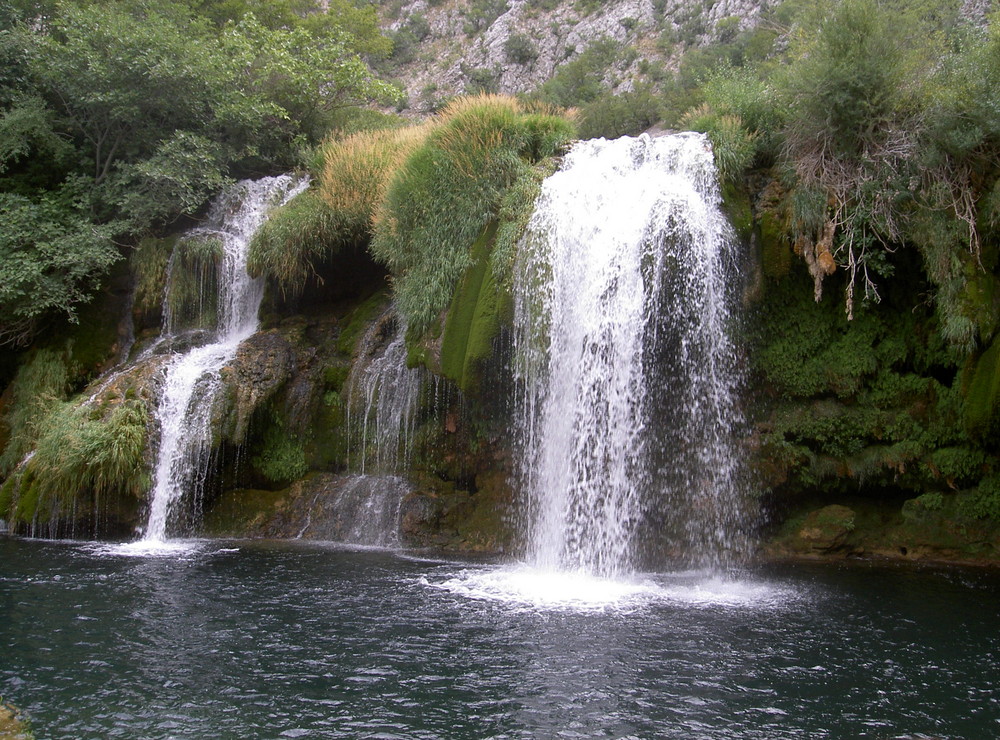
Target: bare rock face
[{"x": 460, "y": 50}]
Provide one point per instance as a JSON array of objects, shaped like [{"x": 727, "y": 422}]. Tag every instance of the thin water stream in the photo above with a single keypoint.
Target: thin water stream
[{"x": 240, "y": 640}]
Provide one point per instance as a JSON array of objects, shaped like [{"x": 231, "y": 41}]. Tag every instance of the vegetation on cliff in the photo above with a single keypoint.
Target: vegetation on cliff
[
  {"x": 858, "y": 145},
  {"x": 116, "y": 118}
]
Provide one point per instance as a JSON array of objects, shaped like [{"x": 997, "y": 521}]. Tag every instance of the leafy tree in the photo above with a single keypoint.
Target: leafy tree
[
  {"x": 51, "y": 258},
  {"x": 116, "y": 117}
]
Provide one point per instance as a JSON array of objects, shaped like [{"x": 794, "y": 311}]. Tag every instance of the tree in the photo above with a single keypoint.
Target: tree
[{"x": 116, "y": 117}]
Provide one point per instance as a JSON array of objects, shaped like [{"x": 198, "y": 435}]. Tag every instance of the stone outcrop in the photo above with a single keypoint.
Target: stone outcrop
[{"x": 459, "y": 48}]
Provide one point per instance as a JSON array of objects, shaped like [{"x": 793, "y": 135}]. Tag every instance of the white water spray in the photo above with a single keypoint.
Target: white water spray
[
  {"x": 622, "y": 309},
  {"x": 192, "y": 379}
]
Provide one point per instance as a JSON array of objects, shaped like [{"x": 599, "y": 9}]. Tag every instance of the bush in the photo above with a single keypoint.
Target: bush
[
  {"x": 627, "y": 114},
  {"x": 40, "y": 384},
  {"x": 449, "y": 189},
  {"x": 84, "y": 453},
  {"x": 581, "y": 80},
  {"x": 337, "y": 212},
  {"x": 733, "y": 147},
  {"x": 520, "y": 49}
]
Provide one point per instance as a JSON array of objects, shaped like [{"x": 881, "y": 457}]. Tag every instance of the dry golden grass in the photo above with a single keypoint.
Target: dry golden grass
[{"x": 357, "y": 170}]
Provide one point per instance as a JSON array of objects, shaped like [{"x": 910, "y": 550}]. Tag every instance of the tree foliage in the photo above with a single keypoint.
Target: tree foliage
[{"x": 117, "y": 117}]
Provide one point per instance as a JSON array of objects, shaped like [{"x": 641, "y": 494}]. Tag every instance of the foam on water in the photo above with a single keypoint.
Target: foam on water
[
  {"x": 536, "y": 589},
  {"x": 149, "y": 548}
]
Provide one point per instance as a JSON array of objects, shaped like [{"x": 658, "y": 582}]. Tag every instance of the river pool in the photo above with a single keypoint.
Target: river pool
[{"x": 274, "y": 640}]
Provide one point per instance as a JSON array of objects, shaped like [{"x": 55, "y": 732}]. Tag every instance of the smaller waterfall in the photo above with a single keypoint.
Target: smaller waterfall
[
  {"x": 192, "y": 378},
  {"x": 623, "y": 302},
  {"x": 384, "y": 397}
]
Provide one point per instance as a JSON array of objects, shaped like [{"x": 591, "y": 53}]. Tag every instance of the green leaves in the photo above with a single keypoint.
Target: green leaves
[
  {"x": 137, "y": 111},
  {"x": 51, "y": 258}
]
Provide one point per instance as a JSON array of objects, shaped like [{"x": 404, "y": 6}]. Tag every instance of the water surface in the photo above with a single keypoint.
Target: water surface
[{"x": 244, "y": 640}]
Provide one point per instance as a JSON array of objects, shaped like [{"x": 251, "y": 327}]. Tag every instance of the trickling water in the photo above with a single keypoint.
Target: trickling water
[
  {"x": 384, "y": 397},
  {"x": 192, "y": 381},
  {"x": 622, "y": 306}
]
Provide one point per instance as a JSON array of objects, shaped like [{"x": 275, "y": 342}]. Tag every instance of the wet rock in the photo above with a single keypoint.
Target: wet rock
[
  {"x": 826, "y": 529},
  {"x": 354, "y": 509},
  {"x": 262, "y": 365}
]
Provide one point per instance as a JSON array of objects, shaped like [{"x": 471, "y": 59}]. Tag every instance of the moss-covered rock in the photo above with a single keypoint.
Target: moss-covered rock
[
  {"x": 472, "y": 321},
  {"x": 13, "y": 724}
]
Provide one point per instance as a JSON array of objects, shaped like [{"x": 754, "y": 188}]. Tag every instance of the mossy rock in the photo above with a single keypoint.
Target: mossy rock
[
  {"x": 982, "y": 401},
  {"x": 13, "y": 724},
  {"x": 244, "y": 512},
  {"x": 472, "y": 321},
  {"x": 827, "y": 528},
  {"x": 776, "y": 247},
  {"x": 356, "y": 322}
]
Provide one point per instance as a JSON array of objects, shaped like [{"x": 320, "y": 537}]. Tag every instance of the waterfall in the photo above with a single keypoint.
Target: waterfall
[
  {"x": 623, "y": 302},
  {"x": 192, "y": 380},
  {"x": 383, "y": 397}
]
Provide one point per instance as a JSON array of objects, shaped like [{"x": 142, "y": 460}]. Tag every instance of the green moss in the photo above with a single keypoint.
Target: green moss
[
  {"x": 334, "y": 376},
  {"x": 472, "y": 320},
  {"x": 7, "y": 491},
  {"x": 736, "y": 206},
  {"x": 982, "y": 403},
  {"x": 189, "y": 285},
  {"x": 281, "y": 457},
  {"x": 776, "y": 248},
  {"x": 148, "y": 263},
  {"x": 236, "y": 513},
  {"x": 357, "y": 321}
]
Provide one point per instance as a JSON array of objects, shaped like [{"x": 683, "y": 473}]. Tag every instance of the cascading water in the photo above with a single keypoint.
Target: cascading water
[
  {"x": 623, "y": 301},
  {"x": 184, "y": 412},
  {"x": 383, "y": 398},
  {"x": 386, "y": 395}
]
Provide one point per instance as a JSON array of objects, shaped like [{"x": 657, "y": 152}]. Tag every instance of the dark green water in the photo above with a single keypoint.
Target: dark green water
[{"x": 273, "y": 641}]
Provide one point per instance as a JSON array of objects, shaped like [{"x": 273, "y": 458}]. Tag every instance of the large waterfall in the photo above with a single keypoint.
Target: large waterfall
[
  {"x": 184, "y": 412},
  {"x": 623, "y": 306}
]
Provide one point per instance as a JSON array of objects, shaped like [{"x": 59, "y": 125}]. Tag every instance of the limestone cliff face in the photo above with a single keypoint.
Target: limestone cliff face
[{"x": 464, "y": 45}]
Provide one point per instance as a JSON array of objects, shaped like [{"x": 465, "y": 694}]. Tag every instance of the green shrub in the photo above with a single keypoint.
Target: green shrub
[
  {"x": 294, "y": 239},
  {"x": 281, "y": 458},
  {"x": 448, "y": 189},
  {"x": 337, "y": 212},
  {"x": 84, "y": 455},
  {"x": 39, "y": 386},
  {"x": 982, "y": 402},
  {"x": 520, "y": 49},
  {"x": 984, "y": 502},
  {"x": 581, "y": 80},
  {"x": 482, "y": 13},
  {"x": 627, "y": 114}
]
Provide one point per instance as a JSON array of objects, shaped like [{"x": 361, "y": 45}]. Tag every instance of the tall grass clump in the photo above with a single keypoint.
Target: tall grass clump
[
  {"x": 39, "y": 386},
  {"x": 337, "y": 212},
  {"x": 83, "y": 455},
  {"x": 449, "y": 189}
]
